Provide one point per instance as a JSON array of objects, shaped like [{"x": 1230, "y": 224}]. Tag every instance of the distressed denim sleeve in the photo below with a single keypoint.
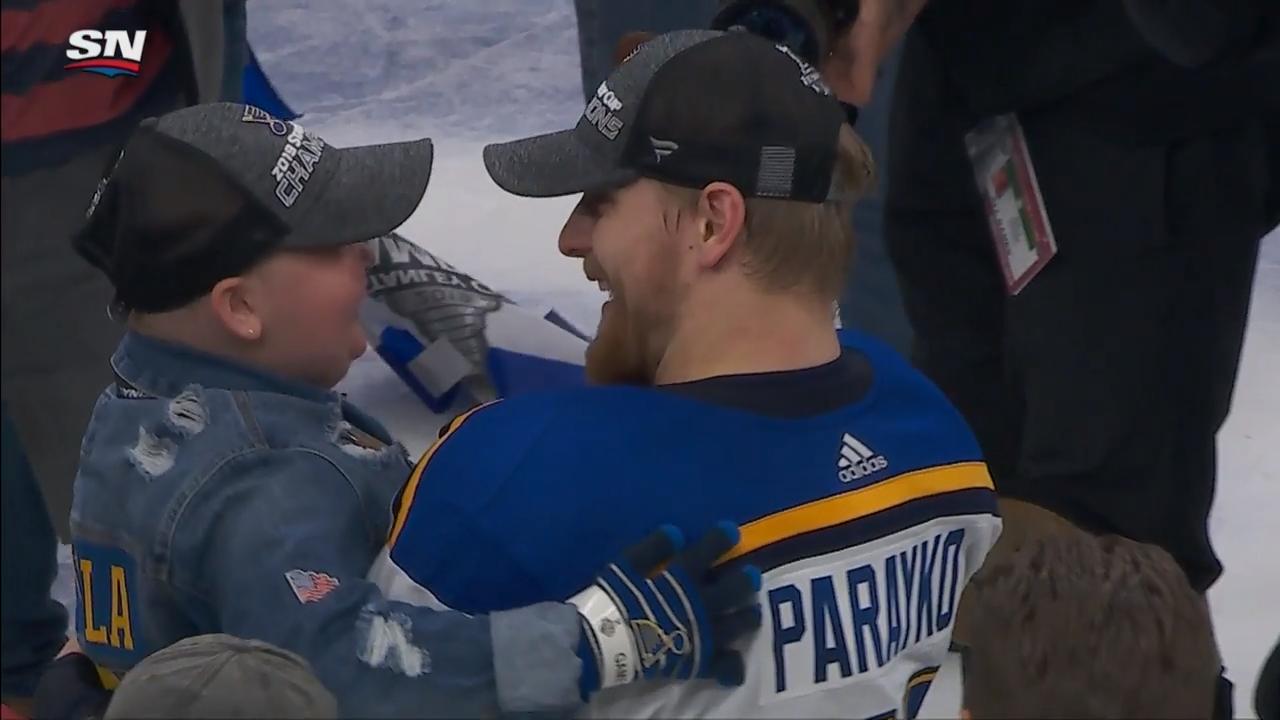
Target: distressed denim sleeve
[{"x": 280, "y": 549}]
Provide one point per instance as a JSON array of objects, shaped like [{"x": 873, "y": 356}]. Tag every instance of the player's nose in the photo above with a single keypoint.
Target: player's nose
[{"x": 575, "y": 236}]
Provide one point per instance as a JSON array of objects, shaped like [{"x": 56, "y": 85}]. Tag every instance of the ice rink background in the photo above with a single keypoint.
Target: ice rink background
[{"x": 466, "y": 72}]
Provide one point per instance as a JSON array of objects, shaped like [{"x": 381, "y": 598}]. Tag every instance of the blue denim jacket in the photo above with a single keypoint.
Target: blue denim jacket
[{"x": 213, "y": 497}]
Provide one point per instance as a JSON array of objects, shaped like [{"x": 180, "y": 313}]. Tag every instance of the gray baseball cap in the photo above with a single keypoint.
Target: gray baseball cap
[
  {"x": 689, "y": 108},
  {"x": 202, "y": 193},
  {"x": 326, "y": 195},
  {"x": 220, "y": 676}
]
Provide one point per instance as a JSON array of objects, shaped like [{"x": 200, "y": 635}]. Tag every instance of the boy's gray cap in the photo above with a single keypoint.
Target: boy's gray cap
[
  {"x": 204, "y": 193},
  {"x": 325, "y": 195},
  {"x": 220, "y": 676}
]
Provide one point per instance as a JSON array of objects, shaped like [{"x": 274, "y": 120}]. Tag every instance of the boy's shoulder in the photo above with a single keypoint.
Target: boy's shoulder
[
  {"x": 212, "y": 423},
  {"x": 134, "y": 436},
  {"x": 146, "y": 460}
]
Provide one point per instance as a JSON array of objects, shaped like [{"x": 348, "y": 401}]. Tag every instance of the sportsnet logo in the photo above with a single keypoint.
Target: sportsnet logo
[
  {"x": 857, "y": 460},
  {"x": 111, "y": 53}
]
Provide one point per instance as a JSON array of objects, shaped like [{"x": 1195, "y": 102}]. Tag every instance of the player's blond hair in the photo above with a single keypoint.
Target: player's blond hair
[
  {"x": 800, "y": 245},
  {"x": 1084, "y": 626}
]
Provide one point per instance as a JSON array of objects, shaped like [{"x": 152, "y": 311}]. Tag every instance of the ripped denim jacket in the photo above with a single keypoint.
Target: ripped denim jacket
[{"x": 215, "y": 498}]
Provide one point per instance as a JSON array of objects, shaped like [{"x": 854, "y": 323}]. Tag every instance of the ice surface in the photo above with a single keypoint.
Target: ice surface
[
  {"x": 449, "y": 68},
  {"x": 466, "y": 72}
]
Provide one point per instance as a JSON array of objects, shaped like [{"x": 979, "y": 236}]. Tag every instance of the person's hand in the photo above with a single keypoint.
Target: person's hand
[
  {"x": 850, "y": 69},
  {"x": 656, "y": 614}
]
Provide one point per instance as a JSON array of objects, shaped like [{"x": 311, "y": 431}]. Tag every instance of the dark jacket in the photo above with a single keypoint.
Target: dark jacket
[
  {"x": 52, "y": 113},
  {"x": 1095, "y": 61},
  {"x": 1144, "y": 163}
]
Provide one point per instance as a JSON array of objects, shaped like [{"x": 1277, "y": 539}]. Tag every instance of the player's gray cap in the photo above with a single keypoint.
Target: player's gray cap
[
  {"x": 690, "y": 108},
  {"x": 219, "y": 676}
]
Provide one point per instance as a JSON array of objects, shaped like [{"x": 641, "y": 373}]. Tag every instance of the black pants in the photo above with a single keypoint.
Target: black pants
[{"x": 1097, "y": 392}]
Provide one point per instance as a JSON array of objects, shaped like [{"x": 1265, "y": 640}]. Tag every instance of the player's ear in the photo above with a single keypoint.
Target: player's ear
[
  {"x": 721, "y": 219},
  {"x": 965, "y": 714}
]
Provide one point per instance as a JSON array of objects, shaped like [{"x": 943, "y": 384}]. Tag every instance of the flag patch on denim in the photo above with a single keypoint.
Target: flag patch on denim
[{"x": 310, "y": 586}]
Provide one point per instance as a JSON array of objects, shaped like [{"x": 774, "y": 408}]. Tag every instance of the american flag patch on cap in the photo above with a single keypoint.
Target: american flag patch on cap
[{"x": 310, "y": 586}]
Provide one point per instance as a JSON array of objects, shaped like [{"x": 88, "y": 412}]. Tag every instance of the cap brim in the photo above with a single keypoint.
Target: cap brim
[
  {"x": 373, "y": 190},
  {"x": 551, "y": 165}
]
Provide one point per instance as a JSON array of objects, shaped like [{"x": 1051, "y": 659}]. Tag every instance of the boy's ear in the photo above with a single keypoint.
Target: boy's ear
[
  {"x": 232, "y": 304},
  {"x": 965, "y": 714}
]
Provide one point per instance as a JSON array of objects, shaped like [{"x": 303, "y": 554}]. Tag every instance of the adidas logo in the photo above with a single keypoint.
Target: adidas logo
[{"x": 857, "y": 460}]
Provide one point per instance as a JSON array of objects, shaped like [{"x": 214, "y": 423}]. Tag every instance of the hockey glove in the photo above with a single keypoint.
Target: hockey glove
[{"x": 657, "y": 614}]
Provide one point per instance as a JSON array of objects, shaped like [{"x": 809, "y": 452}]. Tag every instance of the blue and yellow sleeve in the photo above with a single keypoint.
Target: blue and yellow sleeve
[{"x": 456, "y": 527}]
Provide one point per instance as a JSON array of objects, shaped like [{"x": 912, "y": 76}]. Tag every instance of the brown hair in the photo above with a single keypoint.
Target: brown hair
[
  {"x": 790, "y": 244},
  {"x": 1087, "y": 626}
]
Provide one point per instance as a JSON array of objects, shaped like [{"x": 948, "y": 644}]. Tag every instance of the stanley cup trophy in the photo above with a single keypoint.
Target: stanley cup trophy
[{"x": 443, "y": 305}]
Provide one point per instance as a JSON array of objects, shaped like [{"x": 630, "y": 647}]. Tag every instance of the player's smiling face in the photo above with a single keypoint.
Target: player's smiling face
[{"x": 630, "y": 244}]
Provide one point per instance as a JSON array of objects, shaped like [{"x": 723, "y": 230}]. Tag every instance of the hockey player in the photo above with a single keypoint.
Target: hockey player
[
  {"x": 225, "y": 488},
  {"x": 717, "y": 173}
]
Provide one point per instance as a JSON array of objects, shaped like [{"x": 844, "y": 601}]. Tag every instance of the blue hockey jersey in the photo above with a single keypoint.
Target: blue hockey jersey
[{"x": 867, "y": 520}]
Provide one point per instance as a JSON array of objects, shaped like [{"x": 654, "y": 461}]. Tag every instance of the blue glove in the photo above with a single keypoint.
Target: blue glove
[{"x": 658, "y": 614}]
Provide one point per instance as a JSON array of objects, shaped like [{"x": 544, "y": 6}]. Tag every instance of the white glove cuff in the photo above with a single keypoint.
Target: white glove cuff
[{"x": 611, "y": 636}]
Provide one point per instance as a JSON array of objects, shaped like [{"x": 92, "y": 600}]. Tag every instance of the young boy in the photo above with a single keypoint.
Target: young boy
[{"x": 225, "y": 488}]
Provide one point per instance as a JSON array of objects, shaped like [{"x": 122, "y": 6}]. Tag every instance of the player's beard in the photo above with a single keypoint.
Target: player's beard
[{"x": 616, "y": 355}]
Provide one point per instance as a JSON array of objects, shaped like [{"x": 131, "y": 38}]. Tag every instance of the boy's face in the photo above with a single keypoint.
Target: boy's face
[
  {"x": 630, "y": 243},
  {"x": 308, "y": 305}
]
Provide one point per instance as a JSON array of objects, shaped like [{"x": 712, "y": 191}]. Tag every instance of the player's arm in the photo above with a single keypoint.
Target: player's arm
[
  {"x": 282, "y": 557},
  {"x": 442, "y": 555},
  {"x": 440, "y": 552}
]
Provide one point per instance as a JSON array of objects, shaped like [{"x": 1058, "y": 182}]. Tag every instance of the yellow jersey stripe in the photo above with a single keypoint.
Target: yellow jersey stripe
[
  {"x": 924, "y": 676},
  {"x": 411, "y": 487},
  {"x": 860, "y": 503}
]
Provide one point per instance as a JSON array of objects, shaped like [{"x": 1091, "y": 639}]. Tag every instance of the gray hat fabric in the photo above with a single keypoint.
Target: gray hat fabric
[
  {"x": 325, "y": 195},
  {"x": 220, "y": 676},
  {"x": 204, "y": 193},
  {"x": 589, "y": 156},
  {"x": 690, "y": 108}
]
